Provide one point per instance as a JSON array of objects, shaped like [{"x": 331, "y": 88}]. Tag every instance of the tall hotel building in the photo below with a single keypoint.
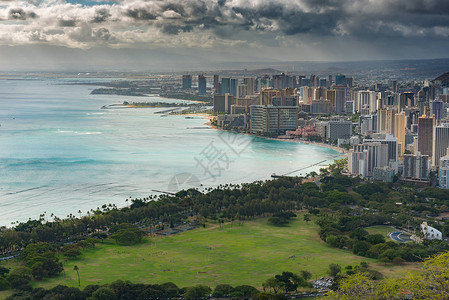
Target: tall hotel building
[
  {"x": 440, "y": 143},
  {"x": 425, "y": 134},
  {"x": 399, "y": 131}
]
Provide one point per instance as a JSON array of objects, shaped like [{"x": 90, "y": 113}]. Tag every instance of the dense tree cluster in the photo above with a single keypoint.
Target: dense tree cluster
[
  {"x": 126, "y": 234},
  {"x": 281, "y": 218},
  {"x": 125, "y": 290},
  {"x": 430, "y": 283},
  {"x": 287, "y": 282}
]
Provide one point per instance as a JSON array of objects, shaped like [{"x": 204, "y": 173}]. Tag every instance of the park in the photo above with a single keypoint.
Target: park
[{"x": 234, "y": 254}]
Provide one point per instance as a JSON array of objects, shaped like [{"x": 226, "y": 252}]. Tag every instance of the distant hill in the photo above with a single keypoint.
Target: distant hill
[
  {"x": 265, "y": 71},
  {"x": 443, "y": 78}
]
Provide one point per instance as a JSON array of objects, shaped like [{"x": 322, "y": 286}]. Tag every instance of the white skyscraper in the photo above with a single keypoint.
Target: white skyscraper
[{"x": 440, "y": 143}]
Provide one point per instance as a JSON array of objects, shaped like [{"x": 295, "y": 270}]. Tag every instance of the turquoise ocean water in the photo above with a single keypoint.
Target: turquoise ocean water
[{"x": 61, "y": 153}]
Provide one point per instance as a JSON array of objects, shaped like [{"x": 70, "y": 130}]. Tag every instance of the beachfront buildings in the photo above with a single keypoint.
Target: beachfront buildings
[
  {"x": 273, "y": 119},
  {"x": 393, "y": 127},
  {"x": 222, "y": 103}
]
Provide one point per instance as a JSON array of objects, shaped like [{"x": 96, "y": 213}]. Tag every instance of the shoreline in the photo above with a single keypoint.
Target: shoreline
[{"x": 340, "y": 150}]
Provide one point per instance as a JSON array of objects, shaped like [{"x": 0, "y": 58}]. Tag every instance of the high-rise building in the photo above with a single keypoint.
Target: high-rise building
[
  {"x": 425, "y": 135},
  {"x": 273, "y": 119},
  {"x": 338, "y": 130},
  {"x": 349, "y": 82},
  {"x": 394, "y": 86},
  {"x": 233, "y": 86},
  {"x": 266, "y": 95},
  {"x": 340, "y": 100},
  {"x": 225, "y": 85},
  {"x": 437, "y": 109},
  {"x": 217, "y": 85},
  {"x": 368, "y": 124},
  {"x": 306, "y": 82},
  {"x": 186, "y": 82},
  {"x": 406, "y": 99},
  {"x": 242, "y": 90},
  {"x": 349, "y": 107},
  {"x": 201, "y": 85},
  {"x": 385, "y": 120},
  {"x": 222, "y": 103},
  {"x": 367, "y": 100},
  {"x": 291, "y": 101},
  {"x": 331, "y": 95},
  {"x": 251, "y": 85},
  {"x": 444, "y": 171},
  {"x": 416, "y": 166},
  {"x": 319, "y": 93},
  {"x": 340, "y": 80},
  {"x": 440, "y": 142},
  {"x": 306, "y": 94},
  {"x": 320, "y": 107},
  {"x": 386, "y": 139},
  {"x": 364, "y": 158},
  {"x": 399, "y": 131}
]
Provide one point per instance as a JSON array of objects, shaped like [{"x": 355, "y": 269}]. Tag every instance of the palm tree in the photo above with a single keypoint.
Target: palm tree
[{"x": 78, "y": 273}]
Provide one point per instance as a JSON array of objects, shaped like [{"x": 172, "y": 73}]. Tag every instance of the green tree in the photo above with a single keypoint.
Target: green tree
[
  {"x": 78, "y": 274},
  {"x": 103, "y": 293},
  {"x": 431, "y": 283},
  {"x": 273, "y": 284},
  {"x": 222, "y": 290},
  {"x": 334, "y": 269},
  {"x": 3, "y": 271},
  {"x": 307, "y": 218},
  {"x": 4, "y": 284},
  {"x": 197, "y": 292},
  {"x": 361, "y": 248},
  {"x": 71, "y": 251},
  {"x": 127, "y": 234},
  {"x": 305, "y": 274}
]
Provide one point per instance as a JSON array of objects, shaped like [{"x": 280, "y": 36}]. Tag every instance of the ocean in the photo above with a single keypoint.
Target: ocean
[{"x": 61, "y": 154}]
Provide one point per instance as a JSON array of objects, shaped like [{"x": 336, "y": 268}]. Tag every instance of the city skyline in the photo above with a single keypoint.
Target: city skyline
[{"x": 172, "y": 35}]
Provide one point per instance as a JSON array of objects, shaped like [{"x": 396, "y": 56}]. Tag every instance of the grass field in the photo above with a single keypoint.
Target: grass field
[
  {"x": 380, "y": 229},
  {"x": 247, "y": 254}
]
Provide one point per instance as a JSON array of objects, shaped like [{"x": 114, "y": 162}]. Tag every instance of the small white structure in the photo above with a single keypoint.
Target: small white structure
[{"x": 431, "y": 233}]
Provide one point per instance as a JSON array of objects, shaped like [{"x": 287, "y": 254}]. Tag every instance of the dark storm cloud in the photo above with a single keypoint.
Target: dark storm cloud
[
  {"x": 289, "y": 21},
  {"x": 213, "y": 23},
  {"x": 67, "y": 23},
  {"x": 140, "y": 14},
  {"x": 17, "y": 14},
  {"x": 20, "y": 14},
  {"x": 322, "y": 17},
  {"x": 102, "y": 34},
  {"x": 174, "y": 30},
  {"x": 101, "y": 15}
]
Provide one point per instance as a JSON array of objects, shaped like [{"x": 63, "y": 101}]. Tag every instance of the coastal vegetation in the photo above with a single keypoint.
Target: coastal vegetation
[
  {"x": 332, "y": 218},
  {"x": 156, "y": 104}
]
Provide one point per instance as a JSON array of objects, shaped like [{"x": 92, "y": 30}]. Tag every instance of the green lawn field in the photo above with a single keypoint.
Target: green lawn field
[
  {"x": 380, "y": 229},
  {"x": 247, "y": 254}
]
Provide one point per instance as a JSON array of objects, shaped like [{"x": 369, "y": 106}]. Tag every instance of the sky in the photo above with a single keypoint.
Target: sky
[{"x": 196, "y": 34}]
